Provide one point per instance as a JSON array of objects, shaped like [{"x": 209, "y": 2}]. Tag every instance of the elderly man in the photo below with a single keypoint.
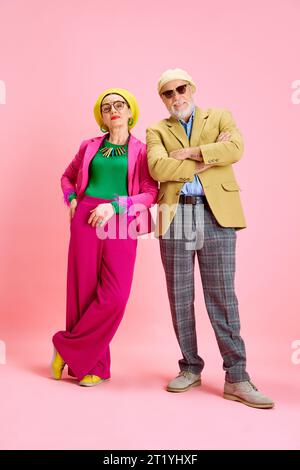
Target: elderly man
[{"x": 191, "y": 154}]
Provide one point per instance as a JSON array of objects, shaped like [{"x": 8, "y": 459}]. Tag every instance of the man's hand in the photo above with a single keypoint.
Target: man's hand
[
  {"x": 201, "y": 166},
  {"x": 223, "y": 137},
  {"x": 73, "y": 205},
  {"x": 192, "y": 153},
  {"x": 101, "y": 214}
]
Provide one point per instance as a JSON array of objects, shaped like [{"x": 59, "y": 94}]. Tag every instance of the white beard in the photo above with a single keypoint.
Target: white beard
[{"x": 183, "y": 114}]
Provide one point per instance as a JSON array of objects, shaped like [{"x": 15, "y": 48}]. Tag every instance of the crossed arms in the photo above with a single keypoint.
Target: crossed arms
[{"x": 183, "y": 164}]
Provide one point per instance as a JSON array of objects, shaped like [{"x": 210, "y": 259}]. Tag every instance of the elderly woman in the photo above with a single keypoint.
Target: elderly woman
[{"x": 107, "y": 186}]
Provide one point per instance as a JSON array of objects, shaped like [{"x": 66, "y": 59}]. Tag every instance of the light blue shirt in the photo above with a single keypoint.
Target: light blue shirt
[{"x": 195, "y": 188}]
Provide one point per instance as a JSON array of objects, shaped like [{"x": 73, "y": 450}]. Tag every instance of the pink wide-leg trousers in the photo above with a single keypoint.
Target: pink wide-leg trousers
[{"x": 99, "y": 278}]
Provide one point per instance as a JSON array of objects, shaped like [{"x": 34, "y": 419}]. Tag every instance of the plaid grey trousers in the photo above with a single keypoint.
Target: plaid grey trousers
[{"x": 194, "y": 230}]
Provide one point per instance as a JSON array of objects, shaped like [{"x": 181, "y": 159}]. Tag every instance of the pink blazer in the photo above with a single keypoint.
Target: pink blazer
[{"x": 142, "y": 189}]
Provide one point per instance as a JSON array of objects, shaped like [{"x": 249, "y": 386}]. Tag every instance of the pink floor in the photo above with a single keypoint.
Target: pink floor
[{"x": 133, "y": 411}]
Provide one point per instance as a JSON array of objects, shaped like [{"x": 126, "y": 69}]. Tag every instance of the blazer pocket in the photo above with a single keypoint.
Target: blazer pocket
[{"x": 230, "y": 186}]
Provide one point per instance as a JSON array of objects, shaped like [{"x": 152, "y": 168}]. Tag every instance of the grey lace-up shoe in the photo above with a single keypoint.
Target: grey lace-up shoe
[
  {"x": 248, "y": 394},
  {"x": 184, "y": 381}
]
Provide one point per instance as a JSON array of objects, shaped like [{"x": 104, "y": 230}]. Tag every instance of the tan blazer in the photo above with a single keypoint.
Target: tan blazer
[{"x": 219, "y": 182}]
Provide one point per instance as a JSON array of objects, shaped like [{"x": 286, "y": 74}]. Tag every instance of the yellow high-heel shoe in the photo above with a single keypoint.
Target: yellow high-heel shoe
[
  {"x": 57, "y": 365},
  {"x": 90, "y": 380}
]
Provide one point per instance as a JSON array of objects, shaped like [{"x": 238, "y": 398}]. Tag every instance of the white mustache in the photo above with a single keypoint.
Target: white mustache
[{"x": 178, "y": 102}]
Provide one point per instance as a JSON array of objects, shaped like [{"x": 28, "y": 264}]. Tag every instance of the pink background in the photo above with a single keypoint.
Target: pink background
[{"x": 55, "y": 58}]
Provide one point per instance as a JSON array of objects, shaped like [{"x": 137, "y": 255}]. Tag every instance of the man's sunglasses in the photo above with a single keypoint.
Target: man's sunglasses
[{"x": 181, "y": 89}]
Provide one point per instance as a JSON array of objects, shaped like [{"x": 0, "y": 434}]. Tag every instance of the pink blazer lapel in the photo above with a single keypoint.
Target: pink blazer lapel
[
  {"x": 133, "y": 150},
  {"x": 92, "y": 149}
]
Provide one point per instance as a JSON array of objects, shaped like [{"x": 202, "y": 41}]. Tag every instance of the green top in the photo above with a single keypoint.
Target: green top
[{"x": 108, "y": 174}]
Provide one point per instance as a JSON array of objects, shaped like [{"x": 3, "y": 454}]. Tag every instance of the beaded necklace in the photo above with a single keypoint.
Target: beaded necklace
[{"x": 113, "y": 151}]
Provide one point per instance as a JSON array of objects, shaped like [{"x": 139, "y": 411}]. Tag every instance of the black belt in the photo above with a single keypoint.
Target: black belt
[{"x": 183, "y": 199}]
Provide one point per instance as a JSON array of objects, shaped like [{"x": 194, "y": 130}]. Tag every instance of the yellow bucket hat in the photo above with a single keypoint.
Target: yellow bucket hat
[
  {"x": 129, "y": 97},
  {"x": 175, "y": 74}
]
